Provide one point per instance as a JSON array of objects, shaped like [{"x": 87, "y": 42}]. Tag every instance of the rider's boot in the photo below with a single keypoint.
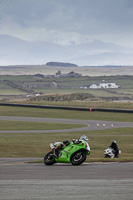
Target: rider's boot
[{"x": 56, "y": 154}]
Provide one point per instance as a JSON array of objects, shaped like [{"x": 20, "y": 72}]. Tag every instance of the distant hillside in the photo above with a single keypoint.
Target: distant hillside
[
  {"x": 15, "y": 51},
  {"x": 60, "y": 64}
]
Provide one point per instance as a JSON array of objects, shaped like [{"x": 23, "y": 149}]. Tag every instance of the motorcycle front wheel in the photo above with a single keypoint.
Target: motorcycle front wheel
[
  {"x": 106, "y": 156},
  {"x": 78, "y": 158},
  {"x": 49, "y": 159}
]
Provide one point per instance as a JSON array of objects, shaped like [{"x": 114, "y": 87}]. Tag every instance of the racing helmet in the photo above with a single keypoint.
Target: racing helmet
[
  {"x": 113, "y": 141},
  {"x": 84, "y": 138}
]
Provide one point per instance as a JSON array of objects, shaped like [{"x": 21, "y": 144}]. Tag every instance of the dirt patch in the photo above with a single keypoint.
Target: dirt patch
[{"x": 65, "y": 97}]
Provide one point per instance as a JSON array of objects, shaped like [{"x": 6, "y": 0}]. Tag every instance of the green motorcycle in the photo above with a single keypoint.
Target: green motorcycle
[{"x": 74, "y": 152}]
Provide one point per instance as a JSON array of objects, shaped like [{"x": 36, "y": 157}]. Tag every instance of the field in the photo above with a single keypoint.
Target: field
[
  {"x": 6, "y": 125},
  {"x": 19, "y": 84},
  {"x": 37, "y": 144},
  {"x": 85, "y": 71},
  {"x": 14, "y": 88}
]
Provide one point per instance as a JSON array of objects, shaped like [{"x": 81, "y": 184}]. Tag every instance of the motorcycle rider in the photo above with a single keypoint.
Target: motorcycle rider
[
  {"x": 57, "y": 150},
  {"x": 115, "y": 148}
]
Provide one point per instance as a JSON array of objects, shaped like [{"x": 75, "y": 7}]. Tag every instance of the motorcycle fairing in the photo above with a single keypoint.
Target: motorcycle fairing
[{"x": 69, "y": 150}]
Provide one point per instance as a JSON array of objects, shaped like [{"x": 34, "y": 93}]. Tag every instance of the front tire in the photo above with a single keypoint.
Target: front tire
[
  {"x": 49, "y": 159},
  {"x": 106, "y": 156},
  {"x": 78, "y": 158}
]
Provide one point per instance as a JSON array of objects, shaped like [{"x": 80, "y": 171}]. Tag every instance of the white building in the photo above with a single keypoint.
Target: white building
[
  {"x": 104, "y": 85},
  {"x": 53, "y": 85}
]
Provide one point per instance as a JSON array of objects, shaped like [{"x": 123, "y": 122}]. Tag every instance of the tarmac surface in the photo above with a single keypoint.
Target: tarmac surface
[
  {"x": 20, "y": 180},
  {"x": 96, "y": 181},
  {"x": 91, "y": 124}
]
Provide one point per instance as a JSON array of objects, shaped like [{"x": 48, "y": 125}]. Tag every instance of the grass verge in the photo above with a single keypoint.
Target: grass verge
[
  {"x": 6, "y": 125},
  {"x": 37, "y": 144},
  {"x": 66, "y": 114}
]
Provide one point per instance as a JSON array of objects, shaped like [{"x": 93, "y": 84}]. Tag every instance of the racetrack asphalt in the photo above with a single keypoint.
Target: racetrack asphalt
[
  {"x": 91, "y": 124},
  {"x": 18, "y": 168},
  {"x": 94, "y": 181}
]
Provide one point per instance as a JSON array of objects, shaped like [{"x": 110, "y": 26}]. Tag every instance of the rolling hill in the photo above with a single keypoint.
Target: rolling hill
[{"x": 15, "y": 51}]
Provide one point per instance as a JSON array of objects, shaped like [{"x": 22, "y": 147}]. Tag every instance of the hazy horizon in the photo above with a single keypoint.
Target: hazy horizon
[{"x": 66, "y": 24}]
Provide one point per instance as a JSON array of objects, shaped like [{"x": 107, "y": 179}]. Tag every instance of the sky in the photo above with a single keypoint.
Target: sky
[{"x": 68, "y": 21}]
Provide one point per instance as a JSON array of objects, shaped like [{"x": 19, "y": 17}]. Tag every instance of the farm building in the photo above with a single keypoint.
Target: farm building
[
  {"x": 53, "y": 85},
  {"x": 104, "y": 85},
  {"x": 68, "y": 75}
]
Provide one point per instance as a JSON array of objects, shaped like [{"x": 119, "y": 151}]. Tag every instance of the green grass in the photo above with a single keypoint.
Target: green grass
[
  {"x": 77, "y": 103},
  {"x": 11, "y": 91},
  {"x": 22, "y": 125},
  {"x": 37, "y": 144},
  {"x": 53, "y": 113},
  {"x": 70, "y": 85}
]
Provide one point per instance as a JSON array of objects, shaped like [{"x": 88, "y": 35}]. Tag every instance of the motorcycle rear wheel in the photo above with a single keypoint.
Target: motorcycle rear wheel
[
  {"x": 49, "y": 159},
  {"x": 78, "y": 158}
]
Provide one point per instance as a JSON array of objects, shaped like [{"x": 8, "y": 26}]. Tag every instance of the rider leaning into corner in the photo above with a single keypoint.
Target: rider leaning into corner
[
  {"x": 57, "y": 150},
  {"x": 115, "y": 148}
]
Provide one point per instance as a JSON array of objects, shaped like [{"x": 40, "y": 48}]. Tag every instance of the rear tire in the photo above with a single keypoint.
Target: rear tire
[
  {"x": 49, "y": 159},
  {"x": 78, "y": 158}
]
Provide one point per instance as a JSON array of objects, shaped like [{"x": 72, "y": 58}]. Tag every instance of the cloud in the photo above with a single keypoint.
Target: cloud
[{"x": 64, "y": 21}]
